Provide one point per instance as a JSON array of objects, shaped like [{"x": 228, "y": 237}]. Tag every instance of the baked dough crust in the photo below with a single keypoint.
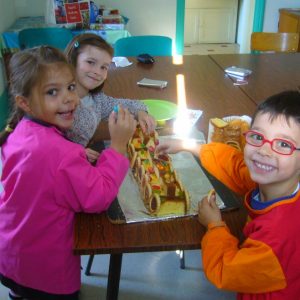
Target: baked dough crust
[
  {"x": 230, "y": 133},
  {"x": 161, "y": 190}
]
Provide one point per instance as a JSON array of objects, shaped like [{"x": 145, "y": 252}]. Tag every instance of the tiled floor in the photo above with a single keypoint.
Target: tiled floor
[
  {"x": 205, "y": 49},
  {"x": 150, "y": 276}
]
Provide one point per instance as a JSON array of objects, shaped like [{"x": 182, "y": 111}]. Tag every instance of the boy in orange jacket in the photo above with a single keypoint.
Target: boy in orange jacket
[{"x": 266, "y": 264}]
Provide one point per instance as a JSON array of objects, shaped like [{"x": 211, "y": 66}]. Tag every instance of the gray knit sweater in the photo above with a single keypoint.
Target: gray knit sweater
[{"x": 92, "y": 110}]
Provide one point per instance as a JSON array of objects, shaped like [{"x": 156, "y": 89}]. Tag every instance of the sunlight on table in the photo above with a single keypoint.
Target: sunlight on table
[
  {"x": 177, "y": 59},
  {"x": 181, "y": 125}
]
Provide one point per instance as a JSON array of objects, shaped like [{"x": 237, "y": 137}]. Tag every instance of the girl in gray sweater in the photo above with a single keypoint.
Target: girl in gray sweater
[{"x": 91, "y": 56}]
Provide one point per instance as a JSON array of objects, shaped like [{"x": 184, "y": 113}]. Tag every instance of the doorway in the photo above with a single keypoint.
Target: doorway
[
  {"x": 210, "y": 21},
  {"x": 250, "y": 18}
]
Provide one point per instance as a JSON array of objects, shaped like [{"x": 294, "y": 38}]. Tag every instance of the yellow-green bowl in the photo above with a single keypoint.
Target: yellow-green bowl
[{"x": 161, "y": 110}]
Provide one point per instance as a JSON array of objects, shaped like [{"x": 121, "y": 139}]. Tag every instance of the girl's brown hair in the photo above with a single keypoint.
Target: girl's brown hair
[
  {"x": 26, "y": 68},
  {"x": 79, "y": 42}
]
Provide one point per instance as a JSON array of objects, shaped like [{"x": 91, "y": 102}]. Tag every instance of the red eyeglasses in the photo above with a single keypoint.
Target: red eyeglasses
[{"x": 280, "y": 146}]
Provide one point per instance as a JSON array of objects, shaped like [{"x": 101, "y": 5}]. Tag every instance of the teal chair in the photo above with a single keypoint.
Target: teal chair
[
  {"x": 4, "y": 108},
  {"x": 155, "y": 45},
  {"x": 51, "y": 36}
]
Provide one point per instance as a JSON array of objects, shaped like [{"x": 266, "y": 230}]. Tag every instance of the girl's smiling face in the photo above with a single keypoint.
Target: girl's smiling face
[
  {"x": 276, "y": 174},
  {"x": 91, "y": 69},
  {"x": 54, "y": 99}
]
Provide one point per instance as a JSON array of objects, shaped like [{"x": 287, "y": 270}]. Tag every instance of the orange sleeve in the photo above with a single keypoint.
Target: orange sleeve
[
  {"x": 251, "y": 267},
  {"x": 227, "y": 165}
]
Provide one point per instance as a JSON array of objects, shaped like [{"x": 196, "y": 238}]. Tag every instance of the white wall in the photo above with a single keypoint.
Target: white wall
[
  {"x": 155, "y": 16},
  {"x": 25, "y": 8},
  {"x": 147, "y": 16},
  {"x": 272, "y": 12},
  {"x": 7, "y": 14},
  {"x": 245, "y": 24}
]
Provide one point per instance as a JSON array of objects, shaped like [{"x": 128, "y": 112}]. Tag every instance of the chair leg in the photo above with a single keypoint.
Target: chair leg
[
  {"x": 182, "y": 260},
  {"x": 89, "y": 265}
]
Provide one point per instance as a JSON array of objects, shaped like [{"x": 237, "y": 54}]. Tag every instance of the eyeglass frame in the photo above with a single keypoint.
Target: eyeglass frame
[{"x": 264, "y": 140}]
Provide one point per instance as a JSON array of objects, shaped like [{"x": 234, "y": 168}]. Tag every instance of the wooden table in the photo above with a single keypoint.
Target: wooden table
[
  {"x": 271, "y": 73},
  {"x": 207, "y": 89}
]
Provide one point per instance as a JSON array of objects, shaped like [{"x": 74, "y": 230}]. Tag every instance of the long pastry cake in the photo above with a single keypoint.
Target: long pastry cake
[{"x": 160, "y": 188}]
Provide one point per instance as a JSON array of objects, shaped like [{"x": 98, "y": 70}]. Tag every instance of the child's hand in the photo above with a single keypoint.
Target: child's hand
[
  {"x": 121, "y": 128},
  {"x": 91, "y": 155},
  {"x": 175, "y": 145},
  {"x": 146, "y": 121},
  {"x": 169, "y": 146},
  {"x": 208, "y": 211}
]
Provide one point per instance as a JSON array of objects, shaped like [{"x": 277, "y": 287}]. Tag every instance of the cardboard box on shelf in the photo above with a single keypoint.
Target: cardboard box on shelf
[{"x": 110, "y": 22}]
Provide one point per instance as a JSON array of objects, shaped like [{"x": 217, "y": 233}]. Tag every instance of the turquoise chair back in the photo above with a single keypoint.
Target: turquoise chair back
[
  {"x": 4, "y": 109},
  {"x": 56, "y": 37},
  {"x": 155, "y": 45}
]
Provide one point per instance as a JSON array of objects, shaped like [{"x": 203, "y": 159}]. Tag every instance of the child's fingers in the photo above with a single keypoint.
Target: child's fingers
[
  {"x": 161, "y": 149},
  {"x": 149, "y": 124},
  {"x": 212, "y": 197},
  {"x": 121, "y": 112},
  {"x": 143, "y": 125},
  {"x": 112, "y": 118},
  {"x": 126, "y": 116},
  {"x": 211, "y": 194},
  {"x": 213, "y": 202},
  {"x": 203, "y": 203}
]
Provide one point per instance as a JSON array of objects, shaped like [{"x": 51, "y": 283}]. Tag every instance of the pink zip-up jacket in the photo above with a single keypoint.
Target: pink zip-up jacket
[{"x": 46, "y": 180}]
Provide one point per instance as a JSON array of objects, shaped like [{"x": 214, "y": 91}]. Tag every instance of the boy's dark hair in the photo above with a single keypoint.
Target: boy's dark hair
[
  {"x": 77, "y": 44},
  {"x": 286, "y": 103},
  {"x": 26, "y": 70}
]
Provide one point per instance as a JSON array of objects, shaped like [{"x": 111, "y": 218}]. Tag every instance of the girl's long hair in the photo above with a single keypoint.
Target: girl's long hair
[{"x": 26, "y": 68}]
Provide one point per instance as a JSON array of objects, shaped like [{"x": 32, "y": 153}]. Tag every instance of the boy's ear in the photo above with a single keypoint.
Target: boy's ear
[{"x": 23, "y": 103}]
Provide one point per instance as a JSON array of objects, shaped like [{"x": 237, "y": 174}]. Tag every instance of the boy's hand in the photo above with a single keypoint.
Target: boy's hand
[
  {"x": 169, "y": 146},
  {"x": 91, "y": 155},
  {"x": 147, "y": 122},
  {"x": 121, "y": 128},
  {"x": 208, "y": 211},
  {"x": 175, "y": 145}
]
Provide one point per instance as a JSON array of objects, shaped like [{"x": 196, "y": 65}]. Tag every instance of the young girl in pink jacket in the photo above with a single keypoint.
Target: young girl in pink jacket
[{"x": 47, "y": 179}]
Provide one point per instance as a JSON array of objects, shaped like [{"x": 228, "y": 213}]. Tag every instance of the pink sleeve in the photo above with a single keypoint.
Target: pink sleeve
[{"x": 83, "y": 187}]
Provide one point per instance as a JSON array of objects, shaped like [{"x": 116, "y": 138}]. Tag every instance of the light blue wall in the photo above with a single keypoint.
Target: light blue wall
[
  {"x": 272, "y": 12},
  {"x": 7, "y": 14}
]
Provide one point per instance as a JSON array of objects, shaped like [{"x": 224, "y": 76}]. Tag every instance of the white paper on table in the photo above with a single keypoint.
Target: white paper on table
[
  {"x": 153, "y": 83},
  {"x": 121, "y": 61},
  {"x": 184, "y": 122}
]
